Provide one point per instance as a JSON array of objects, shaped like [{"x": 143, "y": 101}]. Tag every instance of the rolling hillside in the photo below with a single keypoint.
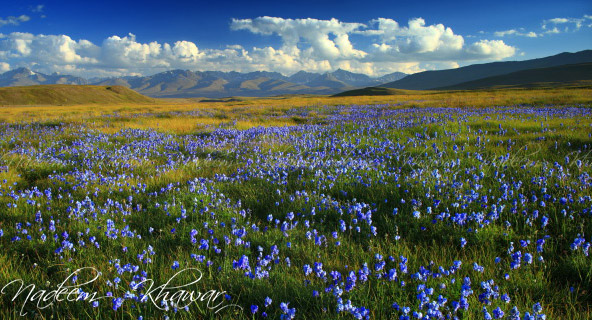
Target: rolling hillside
[
  {"x": 375, "y": 91},
  {"x": 69, "y": 94},
  {"x": 566, "y": 74},
  {"x": 445, "y": 78}
]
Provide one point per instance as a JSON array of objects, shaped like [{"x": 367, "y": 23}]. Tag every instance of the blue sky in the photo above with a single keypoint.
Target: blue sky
[{"x": 112, "y": 38}]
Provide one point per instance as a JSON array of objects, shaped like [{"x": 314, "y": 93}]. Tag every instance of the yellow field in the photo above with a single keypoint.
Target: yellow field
[{"x": 188, "y": 115}]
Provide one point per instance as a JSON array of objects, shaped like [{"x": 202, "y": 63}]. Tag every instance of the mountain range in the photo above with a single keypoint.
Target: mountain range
[
  {"x": 212, "y": 84},
  {"x": 26, "y": 77},
  {"x": 561, "y": 68}
]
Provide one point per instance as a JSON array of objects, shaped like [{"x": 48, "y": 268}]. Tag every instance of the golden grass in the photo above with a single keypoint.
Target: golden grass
[
  {"x": 62, "y": 94},
  {"x": 170, "y": 115}
]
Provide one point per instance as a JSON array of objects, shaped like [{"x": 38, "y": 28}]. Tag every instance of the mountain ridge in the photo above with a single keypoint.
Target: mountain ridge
[
  {"x": 566, "y": 74},
  {"x": 26, "y": 77},
  {"x": 211, "y": 84},
  {"x": 219, "y": 84},
  {"x": 442, "y": 78}
]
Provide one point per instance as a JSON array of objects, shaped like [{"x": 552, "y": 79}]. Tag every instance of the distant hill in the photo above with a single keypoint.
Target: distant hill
[
  {"x": 565, "y": 74},
  {"x": 445, "y": 78},
  {"x": 69, "y": 94},
  {"x": 374, "y": 91}
]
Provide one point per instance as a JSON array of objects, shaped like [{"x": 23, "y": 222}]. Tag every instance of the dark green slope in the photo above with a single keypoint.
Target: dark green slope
[
  {"x": 571, "y": 73},
  {"x": 442, "y": 78}
]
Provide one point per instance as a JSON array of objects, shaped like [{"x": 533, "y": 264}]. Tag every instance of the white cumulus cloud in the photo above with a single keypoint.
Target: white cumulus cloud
[
  {"x": 416, "y": 37},
  {"x": 126, "y": 52},
  {"x": 316, "y": 33},
  {"x": 488, "y": 48},
  {"x": 378, "y": 47},
  {"x": 429, "y": 43},
  {"x": 54, "y": 49}
]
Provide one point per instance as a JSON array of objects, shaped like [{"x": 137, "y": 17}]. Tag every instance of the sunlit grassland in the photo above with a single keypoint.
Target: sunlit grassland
[{"x": 188, "y": 115}]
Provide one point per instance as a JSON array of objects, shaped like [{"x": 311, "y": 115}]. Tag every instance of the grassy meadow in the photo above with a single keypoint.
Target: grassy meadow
[
  {"x": 192, "y": 115},
  {"x": 420, "y": 205}
]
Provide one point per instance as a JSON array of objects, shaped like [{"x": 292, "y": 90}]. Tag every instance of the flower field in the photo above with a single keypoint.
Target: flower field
[{"x": 359, "y": 211}]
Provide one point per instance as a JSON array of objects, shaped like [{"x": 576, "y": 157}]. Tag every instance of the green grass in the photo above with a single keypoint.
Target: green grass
[{"x": 311, "y": 161}]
